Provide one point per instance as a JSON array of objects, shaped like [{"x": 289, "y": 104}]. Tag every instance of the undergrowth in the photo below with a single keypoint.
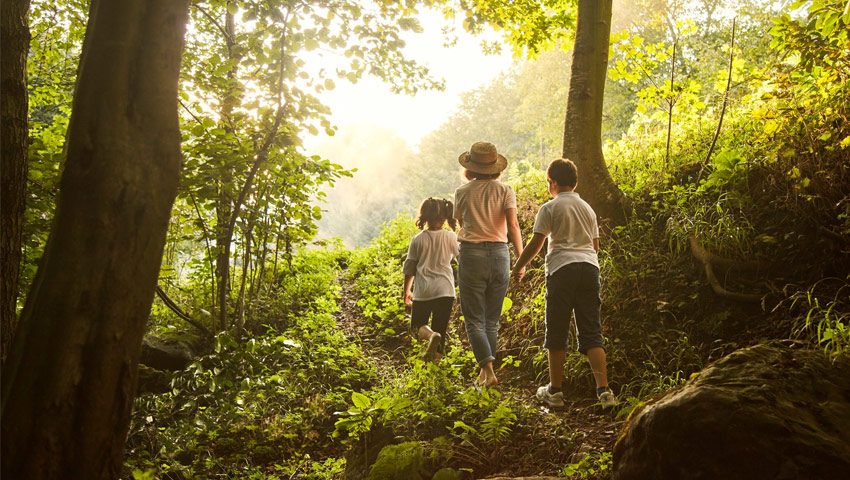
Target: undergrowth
[{"x": 258, "y": 408}]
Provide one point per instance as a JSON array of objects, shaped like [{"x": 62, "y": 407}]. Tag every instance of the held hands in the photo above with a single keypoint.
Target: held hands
[{"x": 518, "y": 273}]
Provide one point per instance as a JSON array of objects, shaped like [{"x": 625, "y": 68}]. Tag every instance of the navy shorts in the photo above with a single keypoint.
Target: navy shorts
[
  {"x": 573, "y": 288},
  {"x": 438, "y": 310}
]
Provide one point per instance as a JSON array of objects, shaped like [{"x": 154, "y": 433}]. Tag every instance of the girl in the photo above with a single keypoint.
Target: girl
[{"x": 428, "y": 261}]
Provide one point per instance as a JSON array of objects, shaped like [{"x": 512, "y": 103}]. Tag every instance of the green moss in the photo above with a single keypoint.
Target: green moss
[
  {"x": 404, "y": 461},
  {"x": 446, "y": 474}
]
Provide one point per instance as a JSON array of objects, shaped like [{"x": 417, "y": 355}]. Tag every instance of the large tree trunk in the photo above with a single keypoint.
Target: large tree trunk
[
  {"x": 15, "y": 38},
  {"x": 70, "y": 379},
  {"x": 583, "y": 124}
]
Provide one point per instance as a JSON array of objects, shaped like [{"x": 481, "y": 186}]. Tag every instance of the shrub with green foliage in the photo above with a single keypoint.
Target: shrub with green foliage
[{"x": 262, "y": 406}]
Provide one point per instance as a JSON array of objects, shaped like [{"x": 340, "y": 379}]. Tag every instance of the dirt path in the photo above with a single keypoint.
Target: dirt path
[{"x": 590, "y": 429}]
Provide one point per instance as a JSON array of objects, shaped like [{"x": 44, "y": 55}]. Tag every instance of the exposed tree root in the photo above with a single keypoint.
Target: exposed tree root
[{"x": 709, "y": 259}]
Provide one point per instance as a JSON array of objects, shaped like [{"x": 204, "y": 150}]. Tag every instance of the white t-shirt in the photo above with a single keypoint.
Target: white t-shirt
[
  {"x": 431, "y": 253},
  {"x": 571, "y": 226},
  {"x": 481, "y": 205}
]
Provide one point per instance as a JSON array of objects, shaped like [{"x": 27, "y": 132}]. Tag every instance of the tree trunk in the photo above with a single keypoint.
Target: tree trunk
[
  {"x": 222, "y": 243},
  {"x": 70, "y": 379},
  {"x": 583, "y": 124},
  {"x": 246, "y": 263},
  {"x": 15, "y": 38},
  {"x": 258, "y": 279},
  {"x": 225, "y": 201}
]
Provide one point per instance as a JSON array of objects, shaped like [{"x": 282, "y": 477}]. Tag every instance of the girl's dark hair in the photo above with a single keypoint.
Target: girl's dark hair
[
  {"x": 434, "y": 210},
  {"x": 470, "y": 175}
]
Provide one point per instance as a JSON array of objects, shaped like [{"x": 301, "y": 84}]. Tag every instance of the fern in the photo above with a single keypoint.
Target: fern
[{"x": 497, "y": 426}]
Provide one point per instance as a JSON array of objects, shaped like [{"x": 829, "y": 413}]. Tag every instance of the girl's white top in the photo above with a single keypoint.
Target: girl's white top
[{"x": 429, "y": 261}]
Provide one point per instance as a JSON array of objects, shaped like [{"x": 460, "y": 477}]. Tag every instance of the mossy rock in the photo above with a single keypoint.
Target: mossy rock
[
  {"x": 152, "y": 380},
  {"x": 765, "y": 412},
  {"x": 447, "y": 474},
  {"x": 404, "y": 461}
]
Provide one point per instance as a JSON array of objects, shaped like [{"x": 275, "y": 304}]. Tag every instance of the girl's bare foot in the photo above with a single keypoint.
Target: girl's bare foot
[{"x": 433, "y": 346}]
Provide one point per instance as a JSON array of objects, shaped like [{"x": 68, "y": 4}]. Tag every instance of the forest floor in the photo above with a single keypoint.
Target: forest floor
[{"x": 590, "y": 429}]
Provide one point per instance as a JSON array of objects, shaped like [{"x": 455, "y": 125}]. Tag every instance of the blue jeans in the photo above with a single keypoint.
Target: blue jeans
[{"x": 483, "y": 275}]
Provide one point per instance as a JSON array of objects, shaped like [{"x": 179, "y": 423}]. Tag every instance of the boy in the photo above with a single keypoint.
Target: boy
[{"x": 572, "y": 281}]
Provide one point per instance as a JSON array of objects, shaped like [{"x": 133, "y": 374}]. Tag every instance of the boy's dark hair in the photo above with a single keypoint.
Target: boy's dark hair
[
  {"x": 470, "y": 175},
  {"x": 564, "y": 172},
  {"x": 434, "y": 210}
]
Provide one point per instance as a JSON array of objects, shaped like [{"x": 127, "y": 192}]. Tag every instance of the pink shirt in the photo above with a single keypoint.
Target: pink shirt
[{"x": 481, "y": 206}]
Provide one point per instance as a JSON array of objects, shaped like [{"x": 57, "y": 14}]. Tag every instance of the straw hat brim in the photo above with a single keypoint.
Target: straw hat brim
[{"x": 500, "y": 164}]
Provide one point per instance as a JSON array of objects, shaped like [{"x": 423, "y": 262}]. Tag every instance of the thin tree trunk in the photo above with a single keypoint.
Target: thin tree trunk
[
  {"x": 725, "y": 100},
  {"x": 260, "y": 157},
  {"x": 246, "y": 261},
  {"x": 256, "y": 285},
  {"x": 274, "y": 264},
  {"x": 225, "y": 209},
  {"x": 222, "y": 243},
  {"x": 252, "y": 222},
  {"x": 206, "y": 240},
  {"x": 583, "y": 123},
  {"x": 70, "y": 379},
  {"x": 670, "y": 104},
  {"x": 15, "y": 38}
]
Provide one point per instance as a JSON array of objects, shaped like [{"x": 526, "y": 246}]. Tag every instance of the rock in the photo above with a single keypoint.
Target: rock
[
  {"x": 152, "y": 380},
  {"x": 165, "y": 354},
  {"x": 447, "y": 474},
  {"x": 404, "y": 461},
  {"x": 774, "y": 411},
  {"x": 365, "y": 452}
]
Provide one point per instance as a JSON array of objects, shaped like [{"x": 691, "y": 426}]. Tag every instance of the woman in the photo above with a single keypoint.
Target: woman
[{"x": 486, "y": 212}]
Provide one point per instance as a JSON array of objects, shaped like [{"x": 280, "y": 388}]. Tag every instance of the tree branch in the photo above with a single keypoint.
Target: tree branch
[
  {"x": 179, "y": 312},
  {"x": 213, "y": 20}
]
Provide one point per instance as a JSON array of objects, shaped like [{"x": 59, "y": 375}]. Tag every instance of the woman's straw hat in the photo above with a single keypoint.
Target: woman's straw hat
[{"x": 482, "y": 157}]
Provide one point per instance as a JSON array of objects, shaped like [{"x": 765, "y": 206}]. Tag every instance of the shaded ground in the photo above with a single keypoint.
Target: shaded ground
[{"x": 552, "y": 440}]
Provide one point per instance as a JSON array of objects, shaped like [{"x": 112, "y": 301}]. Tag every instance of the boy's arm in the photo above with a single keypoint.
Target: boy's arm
[
  {"x": 408, "y": 295},
  {"x": 531, "y": 250},
  {"x": 596, "y": 244}
]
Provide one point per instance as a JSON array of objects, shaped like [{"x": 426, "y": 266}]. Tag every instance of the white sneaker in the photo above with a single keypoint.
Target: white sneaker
[
  {"x": 550, "y": 399},
  {"x": 608, "y": 399},
  {"x": 433, "y": 347}
]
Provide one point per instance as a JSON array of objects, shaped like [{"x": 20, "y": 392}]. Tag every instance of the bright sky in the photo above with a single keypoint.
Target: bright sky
[{"x": 463, "y": 66}]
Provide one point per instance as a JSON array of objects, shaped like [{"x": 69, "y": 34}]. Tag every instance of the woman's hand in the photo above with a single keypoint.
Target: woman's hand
[{"x": 408, "y": 298}]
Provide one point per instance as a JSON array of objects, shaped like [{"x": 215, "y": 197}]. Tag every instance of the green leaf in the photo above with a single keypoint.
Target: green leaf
[{"x": 360, "y": 401}]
